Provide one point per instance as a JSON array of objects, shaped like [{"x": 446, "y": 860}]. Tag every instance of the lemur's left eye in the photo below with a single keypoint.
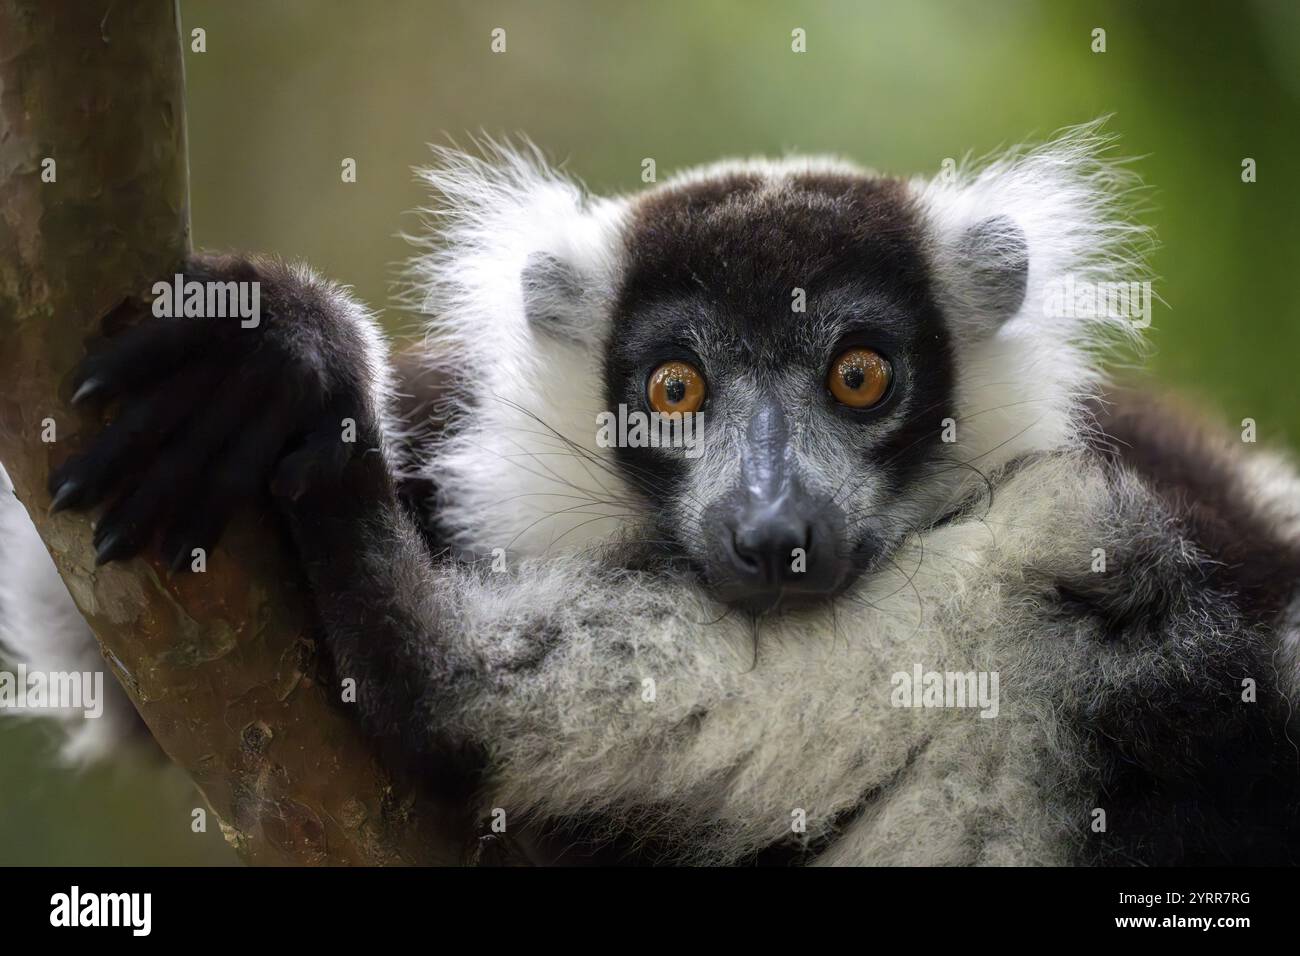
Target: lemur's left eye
[
  {"x": 676, "y": 387},
  {"x": 859, "y": 378}
]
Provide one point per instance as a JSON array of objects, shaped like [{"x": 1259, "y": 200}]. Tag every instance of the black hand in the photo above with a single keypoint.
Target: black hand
[{"x": 208, "y": 409}]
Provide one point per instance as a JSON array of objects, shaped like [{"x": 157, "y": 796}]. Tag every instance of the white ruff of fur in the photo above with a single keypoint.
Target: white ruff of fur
[{"x": 732, "y": 745}]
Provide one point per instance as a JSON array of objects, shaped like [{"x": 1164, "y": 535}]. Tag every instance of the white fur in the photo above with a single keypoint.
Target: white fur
[
  {"x": 508, "y": 481},
  {"x": 1020, "y": 390}
]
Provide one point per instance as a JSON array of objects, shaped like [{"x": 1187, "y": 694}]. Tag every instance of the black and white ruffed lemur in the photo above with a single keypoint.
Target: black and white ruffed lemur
[{"x": 926, "y": 433}]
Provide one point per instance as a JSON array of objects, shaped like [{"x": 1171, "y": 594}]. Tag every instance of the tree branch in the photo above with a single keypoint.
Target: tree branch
[{"x": 221, "y": 665}]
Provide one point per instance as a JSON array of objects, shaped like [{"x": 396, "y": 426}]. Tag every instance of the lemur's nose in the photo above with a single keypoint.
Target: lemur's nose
[
  {"x": 772, "y": 544},
  {"x": 772, "y": 540}
]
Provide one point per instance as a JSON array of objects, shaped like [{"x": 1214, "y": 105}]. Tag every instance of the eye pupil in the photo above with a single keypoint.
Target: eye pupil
[
  {"x": 854, "y": 377},
  {"x": 675, "y": 389}
]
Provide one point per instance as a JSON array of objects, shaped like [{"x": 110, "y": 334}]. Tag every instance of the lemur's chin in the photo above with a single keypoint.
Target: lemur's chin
[
  {"x": 787, "y": 598},
  {"x": 782, "y": 604}
]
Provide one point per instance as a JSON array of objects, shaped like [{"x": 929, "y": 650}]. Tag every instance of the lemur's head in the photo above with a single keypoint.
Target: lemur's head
[
  {"x": 794, "y": 310},
  {"x": 772, "y": 371}
]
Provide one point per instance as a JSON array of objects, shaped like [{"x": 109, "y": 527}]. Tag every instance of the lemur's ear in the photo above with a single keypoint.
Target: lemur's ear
[
  {"x": 520, "y": 254},
  {"x": 556, "y": 300},
  {"x": 988, "y": 275},
  {"x": 1007, "y": 233}
]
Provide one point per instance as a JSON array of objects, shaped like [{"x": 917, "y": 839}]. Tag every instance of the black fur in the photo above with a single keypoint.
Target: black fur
[
  {"x": 1188, "y": 466},
  {"x": 1191, "y": 773}
]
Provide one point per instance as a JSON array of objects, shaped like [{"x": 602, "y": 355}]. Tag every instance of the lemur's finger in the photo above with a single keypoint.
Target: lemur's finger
[
  {"x": 142, "y": 427},
  {"x": 135, "y": 357},
  {"x": 174, "y": 479},
  {"x": 240, "y": 475}
]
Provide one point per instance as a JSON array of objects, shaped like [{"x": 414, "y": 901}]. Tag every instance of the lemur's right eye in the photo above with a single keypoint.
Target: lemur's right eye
[
  {"x": 859, "y": 377},
  {"x": 675, "y": 387}
]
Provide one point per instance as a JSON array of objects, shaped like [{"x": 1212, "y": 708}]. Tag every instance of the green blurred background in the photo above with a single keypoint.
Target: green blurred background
[{"x": 286, "y": 90}]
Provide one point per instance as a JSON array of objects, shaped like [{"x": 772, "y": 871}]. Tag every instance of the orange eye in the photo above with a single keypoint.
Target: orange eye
[
  {"x": 676, "y": 387},
  {"x": 859, "y": 378}
]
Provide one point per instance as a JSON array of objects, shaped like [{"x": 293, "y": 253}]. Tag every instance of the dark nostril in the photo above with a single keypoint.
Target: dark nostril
[
  {"x": 745, "y": 555},
  {"x": 768, "y": 550}
]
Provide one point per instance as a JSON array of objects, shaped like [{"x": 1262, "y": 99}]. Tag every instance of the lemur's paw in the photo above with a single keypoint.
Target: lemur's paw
[{"x": 212, "y": 410}]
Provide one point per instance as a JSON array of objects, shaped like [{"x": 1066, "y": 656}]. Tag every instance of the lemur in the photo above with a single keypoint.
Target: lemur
[{"x": 906, "y": 462}]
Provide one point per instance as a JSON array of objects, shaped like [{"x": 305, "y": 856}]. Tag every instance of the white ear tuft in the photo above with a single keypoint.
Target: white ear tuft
[
  {"x": 517, "y": 275},
  {"x": 1062, "y": 206},
  {"x": 505, "y": 223},
  {"x": 1038, "y": 266}
]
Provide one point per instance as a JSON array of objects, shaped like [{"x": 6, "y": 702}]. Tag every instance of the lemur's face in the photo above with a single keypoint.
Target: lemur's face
[{"x": 799, "y": 321}]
